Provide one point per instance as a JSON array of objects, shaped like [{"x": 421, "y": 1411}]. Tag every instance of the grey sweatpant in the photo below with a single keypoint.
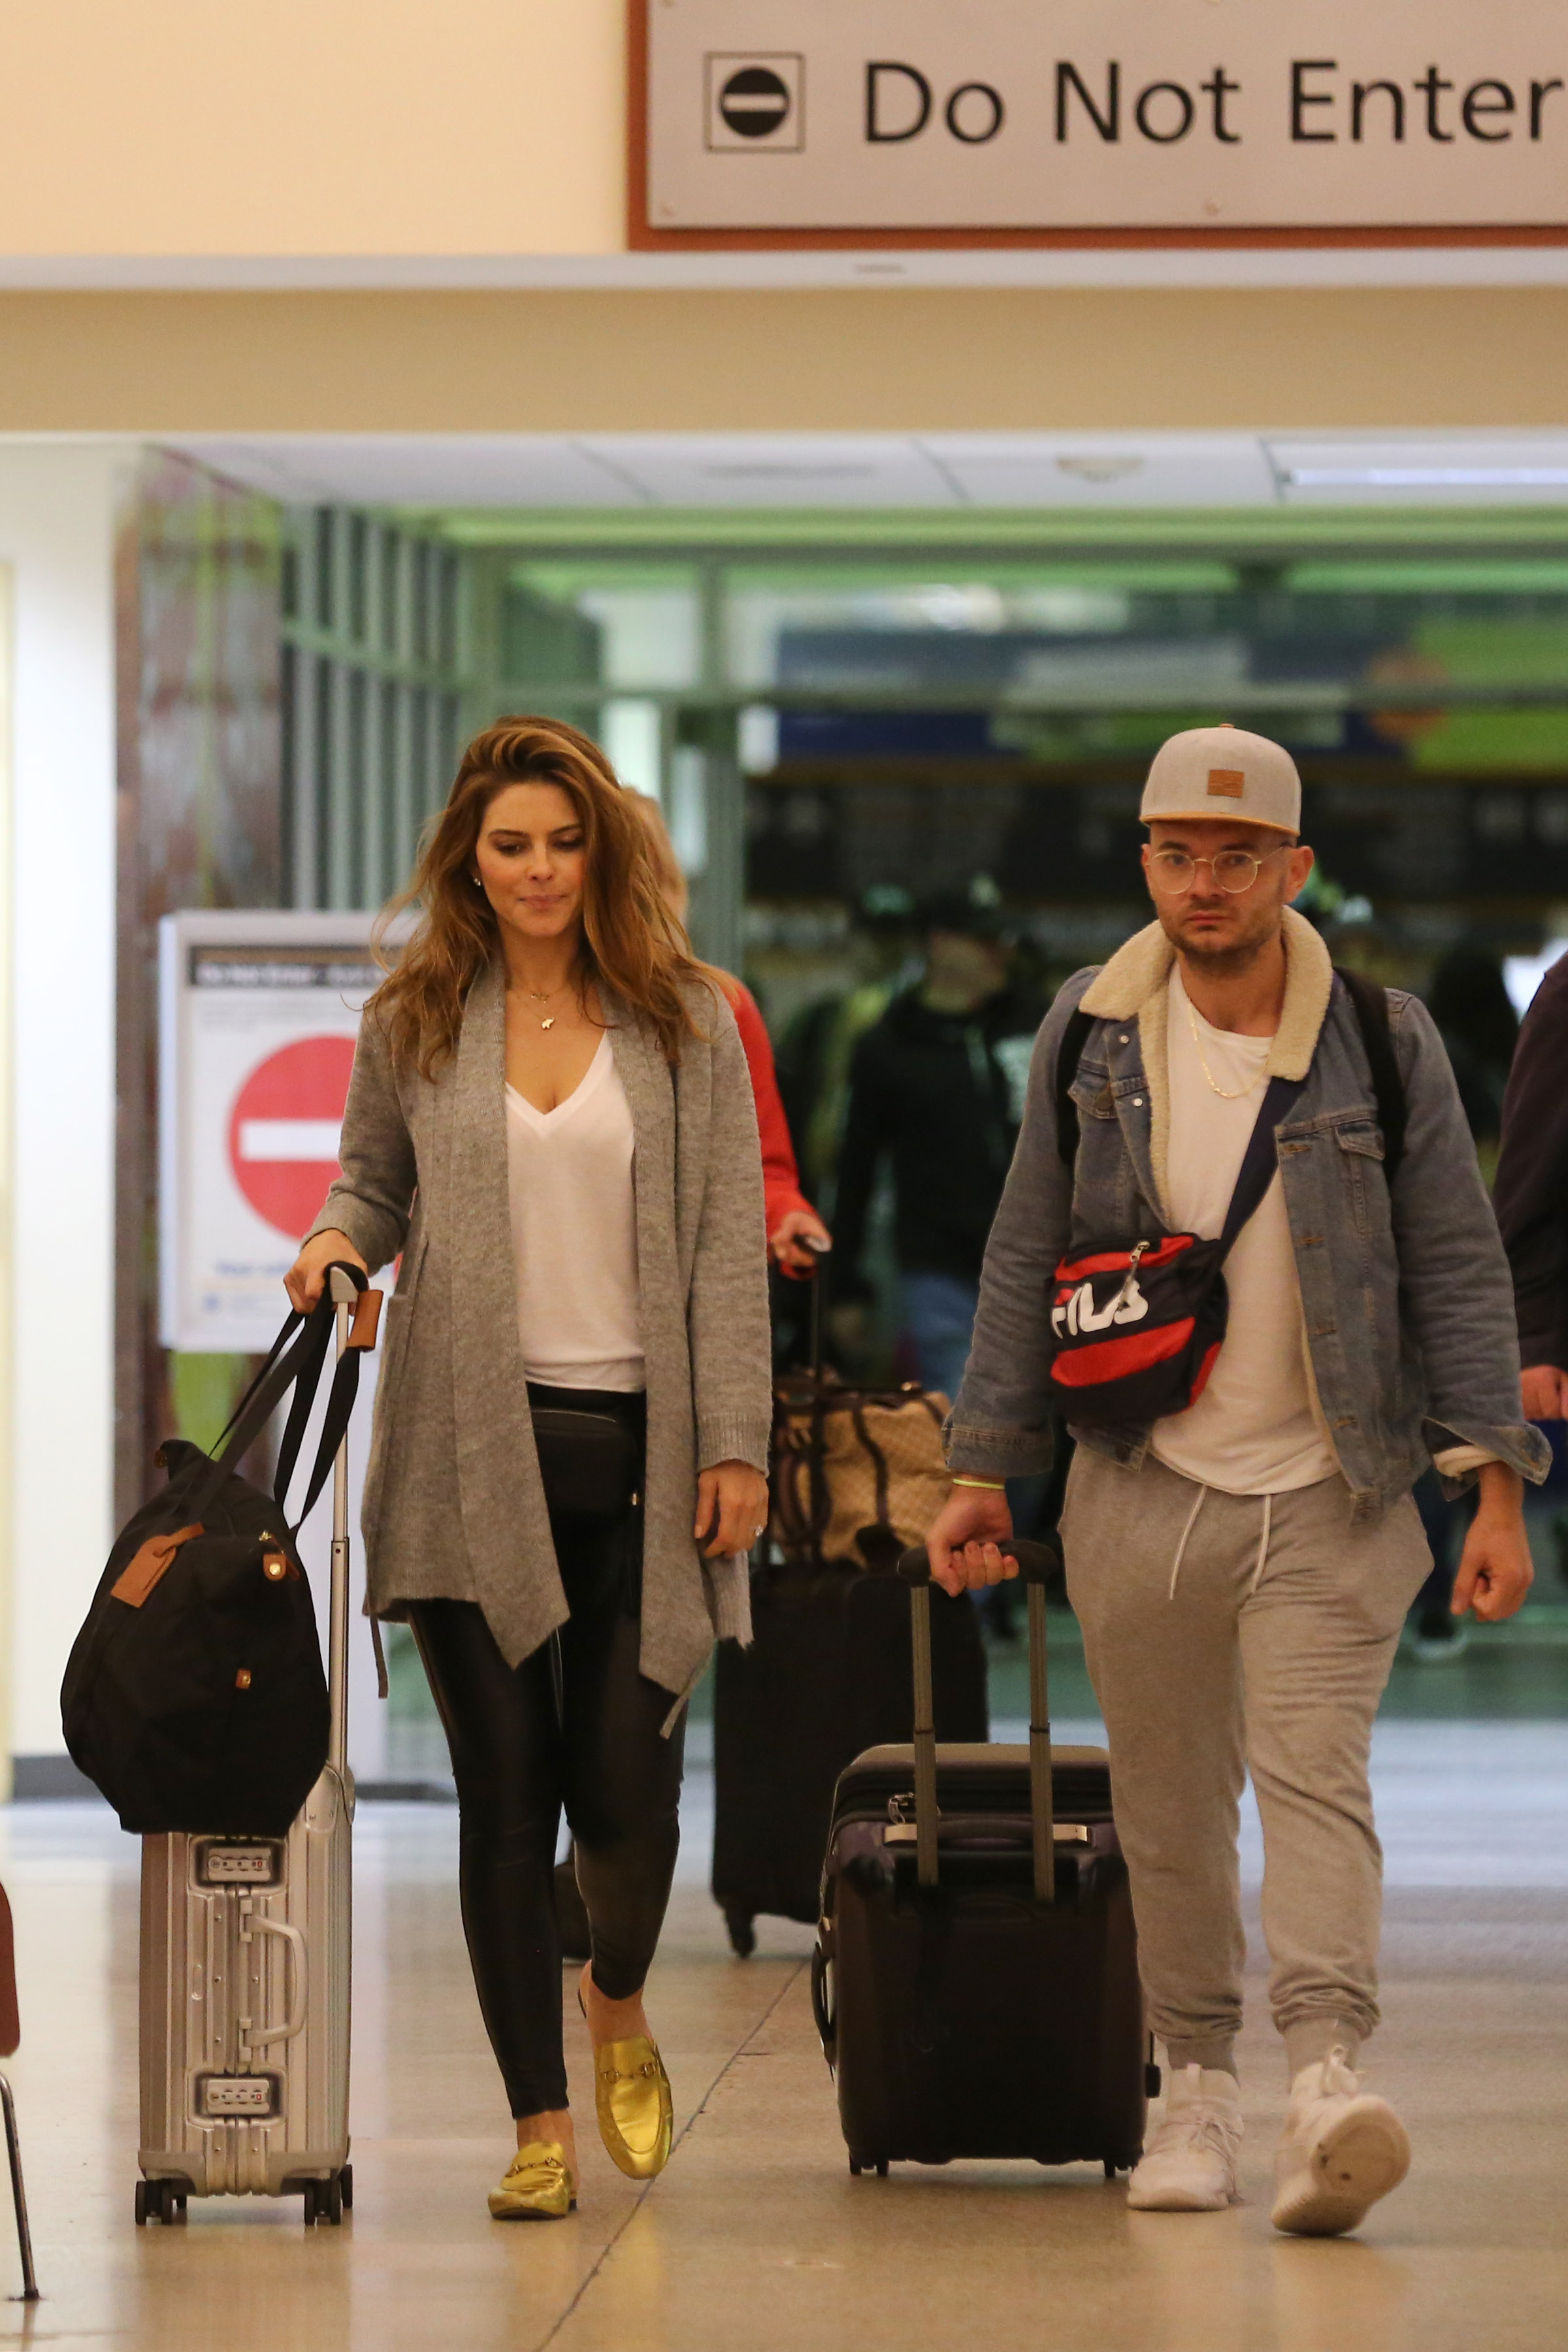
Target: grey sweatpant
[{"x": 1279, "y": 1668}]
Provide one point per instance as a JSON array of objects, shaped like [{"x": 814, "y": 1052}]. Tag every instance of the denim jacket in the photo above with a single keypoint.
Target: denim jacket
[{"x": 1407, "y": 1303}]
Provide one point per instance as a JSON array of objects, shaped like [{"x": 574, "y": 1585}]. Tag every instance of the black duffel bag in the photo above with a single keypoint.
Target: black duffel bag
[{"x": 194, "y": 1697}]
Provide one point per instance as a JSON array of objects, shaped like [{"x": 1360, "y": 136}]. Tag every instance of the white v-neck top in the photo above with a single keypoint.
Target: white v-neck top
[{"x": 573, "y": 1233}]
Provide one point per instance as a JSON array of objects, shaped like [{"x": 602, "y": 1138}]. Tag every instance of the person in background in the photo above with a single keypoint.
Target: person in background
[
  {"x": 1470, "y": 1002},
  {"x": 1530, "y": 1195},
  {"x": 936, "y": 1092},
  {"x": 795, "y": 1232},
  {"x": 818, "y": 1045}
]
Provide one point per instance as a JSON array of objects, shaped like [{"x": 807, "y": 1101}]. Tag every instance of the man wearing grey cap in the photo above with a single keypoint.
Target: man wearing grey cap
[{"x": 1241, "y": 1560}]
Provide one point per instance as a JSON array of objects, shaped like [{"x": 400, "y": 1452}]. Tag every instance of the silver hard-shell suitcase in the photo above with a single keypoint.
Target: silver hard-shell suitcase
[{"x": 245, "y": 1978}]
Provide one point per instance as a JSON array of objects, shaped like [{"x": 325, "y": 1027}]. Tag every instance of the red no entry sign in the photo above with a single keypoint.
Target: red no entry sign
[{"x": 283, "y": 1130}]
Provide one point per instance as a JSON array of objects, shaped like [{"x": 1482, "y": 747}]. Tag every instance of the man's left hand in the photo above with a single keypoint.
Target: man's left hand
[{"x": 1495, "y": 1568}]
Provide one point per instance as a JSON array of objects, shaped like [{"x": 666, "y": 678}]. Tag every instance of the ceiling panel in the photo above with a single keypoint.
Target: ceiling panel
[
  {"x": 1527, "y": 470},
  {"x": 784, "y": 469},
  {"x": 418, "y": 469},
  {"x": 1105, "y": 469}
]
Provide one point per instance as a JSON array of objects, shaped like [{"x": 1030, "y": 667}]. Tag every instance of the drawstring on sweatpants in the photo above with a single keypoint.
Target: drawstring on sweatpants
[
  {"x": 1181, "y": 1547},
  {"x": 1192, "y": 1522},
  {"x": 1263, "y": 1547}
]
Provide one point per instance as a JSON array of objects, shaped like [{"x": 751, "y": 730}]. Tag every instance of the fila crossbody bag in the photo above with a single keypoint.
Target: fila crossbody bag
[{"x": 1136, "y": 1326}]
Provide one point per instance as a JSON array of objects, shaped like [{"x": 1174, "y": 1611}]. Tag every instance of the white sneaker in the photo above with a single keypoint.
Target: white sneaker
[
  {"x": 1189, "y": 2166},
  {"x": 1342, "y": 2150}
]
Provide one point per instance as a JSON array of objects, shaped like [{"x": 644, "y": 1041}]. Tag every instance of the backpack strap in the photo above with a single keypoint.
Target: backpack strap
[
  {"x": 1075, "y": 1037},
  {"x": 1371, "y": 1006}
]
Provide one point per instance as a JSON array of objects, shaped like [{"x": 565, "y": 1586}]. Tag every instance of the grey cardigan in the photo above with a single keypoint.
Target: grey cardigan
[{"x": 454, "y": 1507}]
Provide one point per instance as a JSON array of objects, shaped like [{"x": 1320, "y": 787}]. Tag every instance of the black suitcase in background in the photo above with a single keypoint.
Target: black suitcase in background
[
  {"x": 976, "y": 1979},
  {"x": 828, "y": 1673}
]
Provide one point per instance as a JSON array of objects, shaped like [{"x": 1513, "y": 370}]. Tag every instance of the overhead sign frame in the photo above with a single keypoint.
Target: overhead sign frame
[{"x": 759, "y": 86}]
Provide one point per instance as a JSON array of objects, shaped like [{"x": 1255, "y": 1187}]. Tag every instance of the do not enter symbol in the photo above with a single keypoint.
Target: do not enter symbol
[
  {"x": 756, "y": 102},
  {"x": 283, "y": 1130}
]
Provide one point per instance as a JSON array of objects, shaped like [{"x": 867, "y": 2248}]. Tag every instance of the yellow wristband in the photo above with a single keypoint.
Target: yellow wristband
[{"x": 992, "y": 1486}]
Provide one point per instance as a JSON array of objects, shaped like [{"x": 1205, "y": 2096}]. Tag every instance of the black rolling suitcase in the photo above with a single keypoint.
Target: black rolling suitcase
[
  {"x": 828, "y": 1672},
  {"x": 976, "y": 1979}
]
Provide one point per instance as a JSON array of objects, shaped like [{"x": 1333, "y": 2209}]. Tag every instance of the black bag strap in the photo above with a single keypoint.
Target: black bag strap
[
  {"x": 1260, "y": 1158},
  {"x": 340, "y": 1405},
  {"x": 296, "y": 1360},
  {"x": 1371, "y": 1006},
  {"x": 291, "y": 1324}
]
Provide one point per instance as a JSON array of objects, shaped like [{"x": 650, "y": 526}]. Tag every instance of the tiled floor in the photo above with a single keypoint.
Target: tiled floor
[{"x": 755, "y": 2237}]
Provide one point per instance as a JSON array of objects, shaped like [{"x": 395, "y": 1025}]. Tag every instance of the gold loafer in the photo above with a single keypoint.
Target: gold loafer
[
  {"x": 536, "y": 2185},
  {"x": 631, "y": 2093}
]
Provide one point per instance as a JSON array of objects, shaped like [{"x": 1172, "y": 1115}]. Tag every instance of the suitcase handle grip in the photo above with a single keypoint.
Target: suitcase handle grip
[
  {"x": 259, "y": 2036},
  {"x": 1037, "y": 1562}
]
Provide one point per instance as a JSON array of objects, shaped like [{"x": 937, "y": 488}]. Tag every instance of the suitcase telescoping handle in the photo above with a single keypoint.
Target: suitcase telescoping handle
[
  {"x": 1037, "y": 1561},
  {"x": 346, "y": 1287}
]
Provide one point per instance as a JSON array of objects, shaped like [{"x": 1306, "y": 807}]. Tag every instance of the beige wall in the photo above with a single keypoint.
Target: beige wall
[
  {"x": 1401, "y": 357},
  {"x": 313, "y": 127}
]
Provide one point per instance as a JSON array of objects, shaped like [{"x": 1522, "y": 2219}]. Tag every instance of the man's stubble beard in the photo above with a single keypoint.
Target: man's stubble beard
[{"x": 1227, "y": 962}]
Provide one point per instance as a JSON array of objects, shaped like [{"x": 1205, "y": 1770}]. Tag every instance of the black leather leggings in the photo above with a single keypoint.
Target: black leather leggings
[{"x": 576, "y": 1724}]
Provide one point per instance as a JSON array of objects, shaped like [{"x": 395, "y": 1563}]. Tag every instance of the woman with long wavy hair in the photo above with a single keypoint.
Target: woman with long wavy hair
[{"x": 551, "y": 1122}]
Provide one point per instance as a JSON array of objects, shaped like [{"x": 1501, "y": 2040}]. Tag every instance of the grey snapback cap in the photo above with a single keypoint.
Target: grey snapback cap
[{"x": 1224, "y": 772}]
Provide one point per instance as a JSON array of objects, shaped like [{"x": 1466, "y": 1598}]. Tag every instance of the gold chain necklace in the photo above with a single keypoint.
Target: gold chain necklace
[
  {"x": 542, "y": 996},
  {"x": 1225, "y": 1093}
]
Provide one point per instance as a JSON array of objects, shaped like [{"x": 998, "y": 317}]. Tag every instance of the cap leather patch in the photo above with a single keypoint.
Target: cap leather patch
[{"x": 1226, "y": 783}]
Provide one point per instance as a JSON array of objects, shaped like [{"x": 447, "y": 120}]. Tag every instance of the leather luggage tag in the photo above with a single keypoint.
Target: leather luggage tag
[
  {"x": 138, "y": 1576},
  {"x": 365, "y": 1319}
]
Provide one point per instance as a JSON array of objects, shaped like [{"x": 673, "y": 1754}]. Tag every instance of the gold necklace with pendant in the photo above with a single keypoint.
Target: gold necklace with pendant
[{"x": 542, "y": 996}]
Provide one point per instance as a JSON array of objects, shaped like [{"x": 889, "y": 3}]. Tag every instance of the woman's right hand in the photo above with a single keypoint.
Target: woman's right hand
[{"x": 304, "y": 1278}]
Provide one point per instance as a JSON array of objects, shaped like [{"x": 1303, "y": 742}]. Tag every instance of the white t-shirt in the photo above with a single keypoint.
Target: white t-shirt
[
  {"x": 1253, "y": 1430},
  {"x": 573, "y": 1233}
]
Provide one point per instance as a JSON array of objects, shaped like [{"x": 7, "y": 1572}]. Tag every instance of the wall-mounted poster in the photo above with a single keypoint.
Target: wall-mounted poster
[{"x": 258, "y": 1016}]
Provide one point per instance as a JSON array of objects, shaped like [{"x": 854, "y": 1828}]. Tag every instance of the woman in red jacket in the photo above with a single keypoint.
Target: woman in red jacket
[{"x": 795, "y": 1232}]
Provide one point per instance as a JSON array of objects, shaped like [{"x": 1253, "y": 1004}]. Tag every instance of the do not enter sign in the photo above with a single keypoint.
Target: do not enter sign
[{"x": 284, "y": 1128}]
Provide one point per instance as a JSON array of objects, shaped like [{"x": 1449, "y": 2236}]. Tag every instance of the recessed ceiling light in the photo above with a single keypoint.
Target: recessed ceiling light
[{"x": 1427, "y": 478}]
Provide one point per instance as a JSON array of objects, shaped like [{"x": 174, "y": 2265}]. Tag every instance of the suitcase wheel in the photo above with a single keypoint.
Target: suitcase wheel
[
  {"x": 877, "y": 2164},
  {"x": 324, "y": 2200},
  {"x": 159, "y": 2201},
  {"x": 743, "y": 1933},
  {"x": 346, "y": 2183}
]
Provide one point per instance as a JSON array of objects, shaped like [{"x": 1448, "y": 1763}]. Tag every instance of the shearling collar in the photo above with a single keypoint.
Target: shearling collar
[{"x": 1140, "y": 969}]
